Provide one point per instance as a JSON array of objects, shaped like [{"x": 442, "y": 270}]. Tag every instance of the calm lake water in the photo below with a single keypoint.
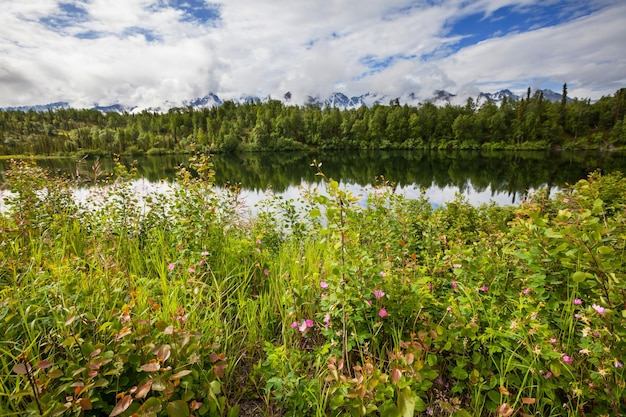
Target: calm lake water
[{"x": 503, "y": 177}]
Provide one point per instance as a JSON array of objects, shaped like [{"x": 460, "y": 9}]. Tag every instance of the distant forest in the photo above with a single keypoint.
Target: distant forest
[{"x": 529, "y": 123}]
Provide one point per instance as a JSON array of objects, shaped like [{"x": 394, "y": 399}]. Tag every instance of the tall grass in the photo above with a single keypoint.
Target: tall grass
[{"x": 175, "y": 305}]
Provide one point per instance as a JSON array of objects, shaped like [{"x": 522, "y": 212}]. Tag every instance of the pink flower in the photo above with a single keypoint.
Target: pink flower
[
  {"x": 383, "y": 274},
  {"x": 456, "y": 265},
  {"x": 449, "y": 309},
  {"x": 171, "y": 267},
  {"x": 191, "y": 270},
  {"x": 566, "y": 359},
  {"x": 266, "y": 272},
  {"x": 369, "y": 302},
  {"x": 526, "y": 291},
  {"x": 324, "y": 284},
  {"x": 382, "y": 313},
  {"x": 204, "y": 253},
  {"x": 294, "y": 325},
  {"x": 454, "y": 284},
  {"x": 618, "y": 364},
  {"x": 548, "y": 375},
  {"x": 600, "y": 310},
  {"x": 484, "y": 288},
  {"x": 304, "y": 326},
  {"x": 577, "y": 301},
  {"x": 379, "y": 294},
  {"x": 179, "y": 248},
  {"x": 553, "y": 341},
  {"x": 258, "y": 241},
  {"x": 327, "y": 320}
]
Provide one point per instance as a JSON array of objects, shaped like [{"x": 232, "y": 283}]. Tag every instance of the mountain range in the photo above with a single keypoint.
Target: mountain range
[{"x": 336, "y": 99}]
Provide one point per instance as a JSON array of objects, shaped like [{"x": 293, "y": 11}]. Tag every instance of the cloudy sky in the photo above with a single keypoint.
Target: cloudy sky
[{"x": 146, "y": 52}]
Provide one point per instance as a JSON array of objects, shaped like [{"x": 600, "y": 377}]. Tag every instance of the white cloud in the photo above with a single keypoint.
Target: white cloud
[{"x": 133, "y": 52}]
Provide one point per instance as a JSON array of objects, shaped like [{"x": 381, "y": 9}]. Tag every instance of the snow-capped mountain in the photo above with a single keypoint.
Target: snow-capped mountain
[
  {"x": 498, "y": 96},
  {"x": 40, "y": 107},
  {"x": 336, "y": 99}
]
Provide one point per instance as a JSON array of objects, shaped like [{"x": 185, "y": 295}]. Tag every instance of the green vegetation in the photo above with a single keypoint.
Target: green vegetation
[
  {"x": 529, "y": 123},
  {"x": 174, "y": 305}
]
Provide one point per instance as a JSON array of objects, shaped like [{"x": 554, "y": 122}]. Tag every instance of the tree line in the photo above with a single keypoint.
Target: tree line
[{"x": 531, "y": 122}]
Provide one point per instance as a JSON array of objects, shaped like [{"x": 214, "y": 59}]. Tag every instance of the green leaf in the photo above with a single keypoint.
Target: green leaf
[
  {"x": 315, "y": 213},
  {"x": 178, "y": 409},
  {"x": 406, "y": 403},
  {"x": 462, "y": 413},
  {"x": 579, "y": 276},
  {"x": 420, "y": 405},
  {"x": 605, "y": 250}
]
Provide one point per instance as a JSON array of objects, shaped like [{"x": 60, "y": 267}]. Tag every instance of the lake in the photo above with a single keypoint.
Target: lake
[{"x": 502, "y": 177}]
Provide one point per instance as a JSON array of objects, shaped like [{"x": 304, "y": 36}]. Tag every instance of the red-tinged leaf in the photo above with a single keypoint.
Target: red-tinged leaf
[
  {"x": 162, "y": 352},
  {"x": 123, "y": 332},
  {"x": 70, "y": 320},
  {"x": 527, "y": 400},
  {"x": 151, "y": 367},
  {"x": 396, "y": 375},
  {"x": 219, "y": 370},
  {"x": 169, "y": 330},
  {"x": 195, "y": 405},
  {"x": 409, "y": 358},
  {"x": 78, "y": 384},
  {"x": 21, "y": 368},
  {"x": 180, "y": 374},
  {"x": 85, "y": 404},
  {"x": 44, "y": 364},
  {"x": 95, "y": 353},
  {"x": 505, "y": 410},
  {"x": 213, "y": 357},
  {"x": 121, "y": 406},
  {"x": 504, "y": 391},
  {"x": 143, "y": 389}
]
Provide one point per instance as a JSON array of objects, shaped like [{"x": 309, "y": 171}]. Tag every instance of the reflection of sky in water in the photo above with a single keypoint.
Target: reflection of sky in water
[{"x": 251, "y": 199}]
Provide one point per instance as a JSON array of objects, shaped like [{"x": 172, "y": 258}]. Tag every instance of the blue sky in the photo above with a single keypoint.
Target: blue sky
[{"x": 158, "y": 53}]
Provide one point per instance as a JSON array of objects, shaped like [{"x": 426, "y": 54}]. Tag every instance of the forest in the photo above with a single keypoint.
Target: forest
[{"x": 531, "y": 123}]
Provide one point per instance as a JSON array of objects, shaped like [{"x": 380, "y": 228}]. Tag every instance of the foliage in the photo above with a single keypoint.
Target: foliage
[
  {"x": 530, "y": 123},
  {"x": 173, "y": 304}
]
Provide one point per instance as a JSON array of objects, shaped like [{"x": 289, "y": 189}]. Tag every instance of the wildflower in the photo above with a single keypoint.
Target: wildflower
[
  {"x": 577, "y": 301},
  {"x": 456, "y": 265},
  {"x": 382, "y": 313},
  {"x": 383, "y": 274},
  {"x": 379, "y": 294},
  {"x": 266, "y": 272},
  {"x": 294, "y": 325},
  {"x": 484, "y": 288},
  {"x": 566, "y": 359},
  {"x": 584, "y": 351},
  {"x": 618, "y": 364},
  {"x": 526, "y": 291},
  {"x": 369, "y": 302},
  {"x": 599, "y": 309},
  {"x": 454, "y": 285},
  {"x": 327, "y": 320},
  {"x": 547, "y": 375},
  {"x": 303, "y": 327},
  {"x": 179, "y": 248},
  {"x": 309, "y": 323},
  {"x": 171, "y": 267},
  {"x": 204, "y": 253},
  {"x": 258, "y": 241},
  {"x": 191, "y": 270},
  {"x": 553, "y": 341},
  {"x": 449, "y": 309},
  {"x": 203, "y": 262},
  {"x": 323, "y": 284}
]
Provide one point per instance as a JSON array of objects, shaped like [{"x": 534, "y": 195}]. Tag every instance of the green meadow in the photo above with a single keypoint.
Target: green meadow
[{"x": 175, "y": 305}]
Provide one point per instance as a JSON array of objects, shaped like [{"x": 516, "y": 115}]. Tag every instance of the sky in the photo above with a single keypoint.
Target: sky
[{"x": 152, "y": 53}]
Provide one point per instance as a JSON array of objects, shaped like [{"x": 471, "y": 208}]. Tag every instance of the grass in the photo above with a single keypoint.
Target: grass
[{"x": 176, "y": 306}]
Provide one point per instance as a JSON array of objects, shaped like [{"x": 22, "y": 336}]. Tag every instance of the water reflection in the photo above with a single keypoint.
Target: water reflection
[{"x": 501, "y": 176}]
